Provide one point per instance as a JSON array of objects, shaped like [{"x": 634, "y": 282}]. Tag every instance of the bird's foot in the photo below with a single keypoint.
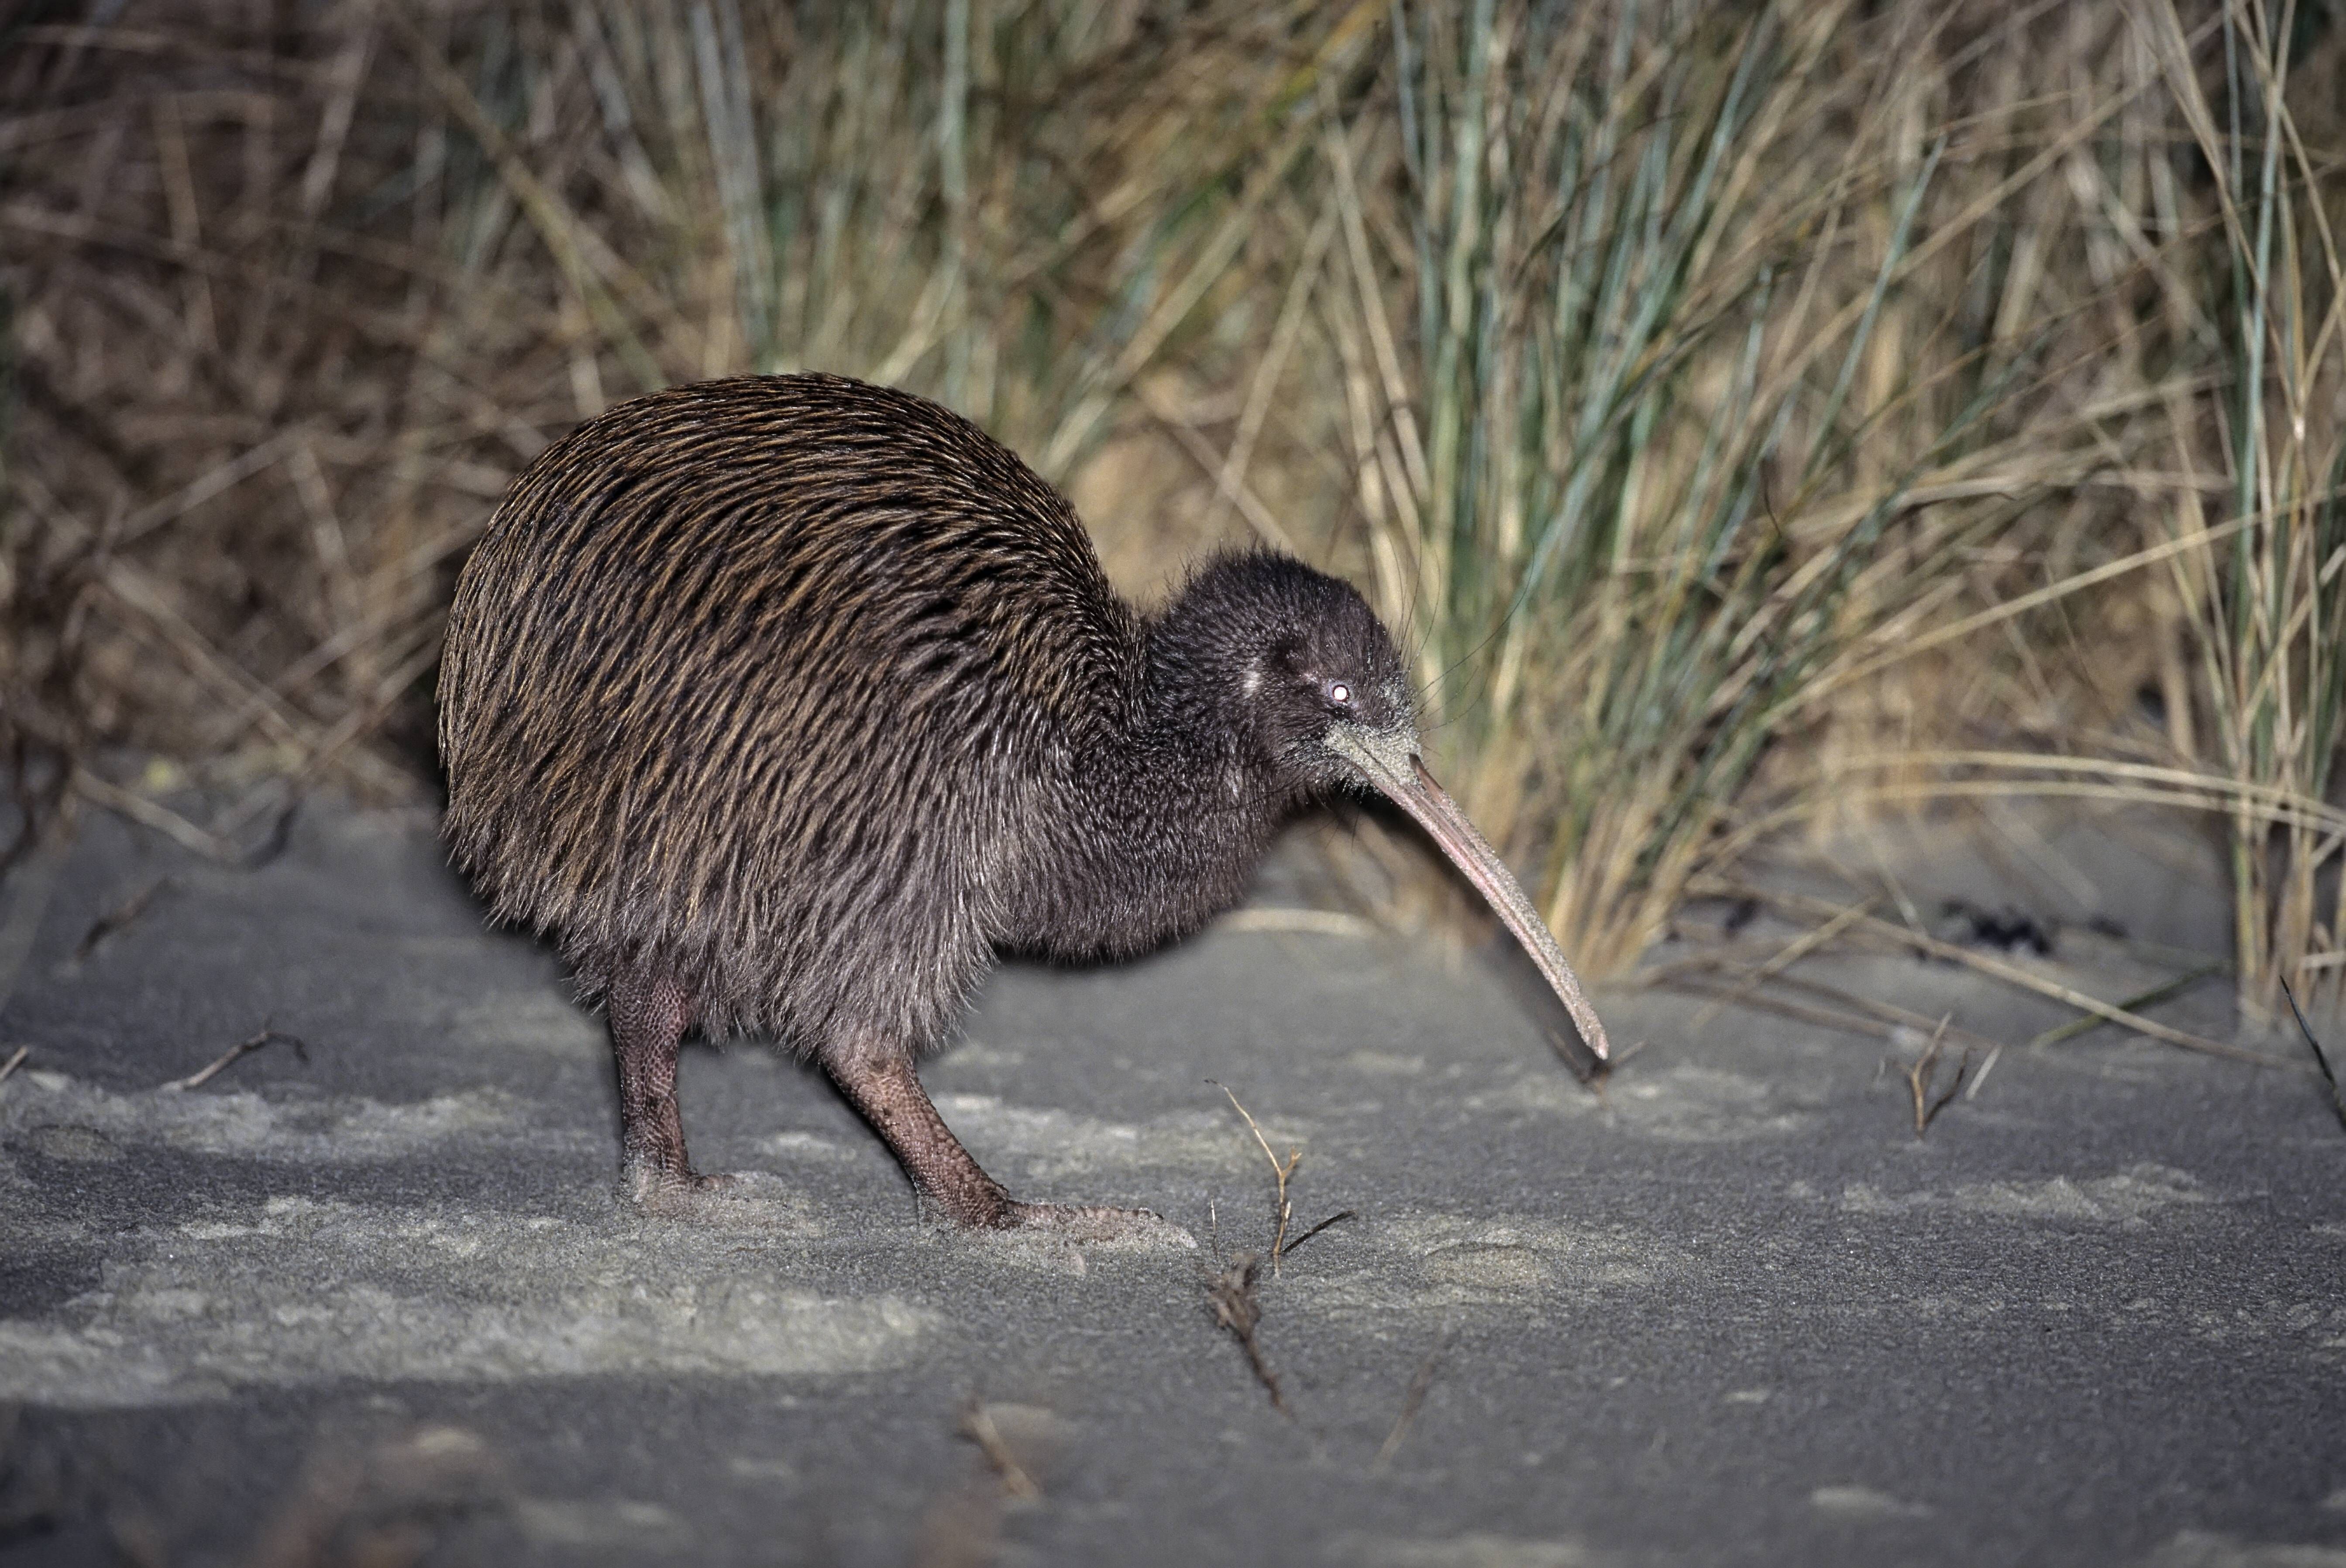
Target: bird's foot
[
  {"x": 1129, "y": 1226},
  {"x": 676, "y": 1195}
]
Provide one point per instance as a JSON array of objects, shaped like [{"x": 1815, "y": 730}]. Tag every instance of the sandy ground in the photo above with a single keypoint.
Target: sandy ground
[{"x": 380, "y": 1305}]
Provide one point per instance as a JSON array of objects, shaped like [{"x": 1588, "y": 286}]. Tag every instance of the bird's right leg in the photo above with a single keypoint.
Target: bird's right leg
[
  {"x": 884, "y": 1087},
  {"x": 651, "y": 1014}
]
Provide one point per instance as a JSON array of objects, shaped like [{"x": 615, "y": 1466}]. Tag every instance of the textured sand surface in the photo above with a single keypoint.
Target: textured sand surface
[{"x": 1732, "y": 1311}]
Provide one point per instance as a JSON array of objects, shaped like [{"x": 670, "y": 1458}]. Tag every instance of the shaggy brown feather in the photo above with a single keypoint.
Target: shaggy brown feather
[{"x": 752, "y": 681}]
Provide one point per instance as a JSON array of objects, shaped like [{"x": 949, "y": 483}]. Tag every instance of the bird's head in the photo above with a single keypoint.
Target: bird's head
[{"x": 1296, "y": 666}]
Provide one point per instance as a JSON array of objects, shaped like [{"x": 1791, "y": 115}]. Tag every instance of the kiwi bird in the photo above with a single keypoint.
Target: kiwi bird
[{"x": 784, "y": 704}]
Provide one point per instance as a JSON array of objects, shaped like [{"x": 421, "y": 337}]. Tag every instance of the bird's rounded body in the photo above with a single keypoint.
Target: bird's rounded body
[
  {"x": 783, "y": 703},
  {"x": 792, "y": 685}
]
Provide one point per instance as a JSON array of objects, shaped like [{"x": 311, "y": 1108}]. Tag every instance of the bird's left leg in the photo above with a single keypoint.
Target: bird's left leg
[{"x": 651, "y": 1014}]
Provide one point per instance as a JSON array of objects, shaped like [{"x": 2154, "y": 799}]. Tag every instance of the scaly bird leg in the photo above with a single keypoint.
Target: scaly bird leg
[
  {"x": 883, "y": 1087},
  {"x": 888, "y": 1091},
  {"x": 650, "y": 1015}
]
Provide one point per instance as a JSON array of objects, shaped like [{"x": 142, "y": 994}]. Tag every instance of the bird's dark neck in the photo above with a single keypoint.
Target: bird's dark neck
[{"x": 1167, "y": 813}]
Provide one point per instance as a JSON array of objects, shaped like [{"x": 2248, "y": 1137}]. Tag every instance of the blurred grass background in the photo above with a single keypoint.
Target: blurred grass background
[{"x": 1751, "y": 414}]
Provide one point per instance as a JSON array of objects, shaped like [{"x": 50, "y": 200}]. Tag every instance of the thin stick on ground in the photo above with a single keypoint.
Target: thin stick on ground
[
  {"x": 1925, "y": 1068},
  {"x": 1898, "y": 936},
  {"x": 1419, "y": 1382},
  {"x": 1280, "y": 1173},
  {"x": 2321, "y": 1060},
  {"x": 17, "y": 1061},
  {"x": 1611, "y": 1065},
  {"x": 1760, "y": 1002},
  {"x": 197, "y": 1080},
  {"x": 1847, "y": 1011},
  {"x": 117, "y": 918},
  {"x": 1986, "y": 1066},
  {"x": 1799, "y": 947},
  {"x": 2151, "y": 998},
  {"x": 1232, "y": 1293},
  {"x": 1341, "y": 1214},
  {"x": 978, "y": 1423},
  {"x": 138, "y": 808}
]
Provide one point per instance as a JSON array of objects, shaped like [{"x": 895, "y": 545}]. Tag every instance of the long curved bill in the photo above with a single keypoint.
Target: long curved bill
[{"x": 1391, "y": 764}]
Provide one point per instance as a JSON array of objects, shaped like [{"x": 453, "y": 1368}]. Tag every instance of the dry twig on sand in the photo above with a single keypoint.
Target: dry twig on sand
[
  {"x": 1232, "y": 1293},
  {"x": 15, "y": 1061},
  {"x": 197, "y": 1080},
  {"x": 1342, "y": 1214},
  {"x": 2151, "y": 998},
  {"x": 2321, "y": 1060},
  {"x": 1848, "y": 1012},
  {"x": 1279, "y": 1174},
  {"x": 978, "y": 1423},
  {"x": 117, "y": 918},
  {"x": 385, "y": 1504},
  {"x": 2011, "y": 973},
  {"x": 962, "y": 1526},
  {"x": 1925, "y": 1068},
  {"x": 1419, "y": 1383},
  {"x": 1799, "y": 947}
]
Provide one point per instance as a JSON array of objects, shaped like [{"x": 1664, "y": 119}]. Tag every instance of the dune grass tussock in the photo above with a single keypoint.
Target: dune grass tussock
[
  {"x": 1738, "y": 430},
  {"x": 1772, "y": 420},
  {"x": 2269, "y": 604}
]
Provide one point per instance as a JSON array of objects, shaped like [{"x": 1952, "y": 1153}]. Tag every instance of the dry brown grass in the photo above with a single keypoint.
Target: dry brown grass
[
  {"x": 292, "y": 299},
  {"x": 1742, "y": 435}
]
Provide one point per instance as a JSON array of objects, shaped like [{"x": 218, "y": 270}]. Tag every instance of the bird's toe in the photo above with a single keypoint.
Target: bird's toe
[
  {"x": 1088, "y": 1223},
  {"x": 674, "y": 1195}
]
